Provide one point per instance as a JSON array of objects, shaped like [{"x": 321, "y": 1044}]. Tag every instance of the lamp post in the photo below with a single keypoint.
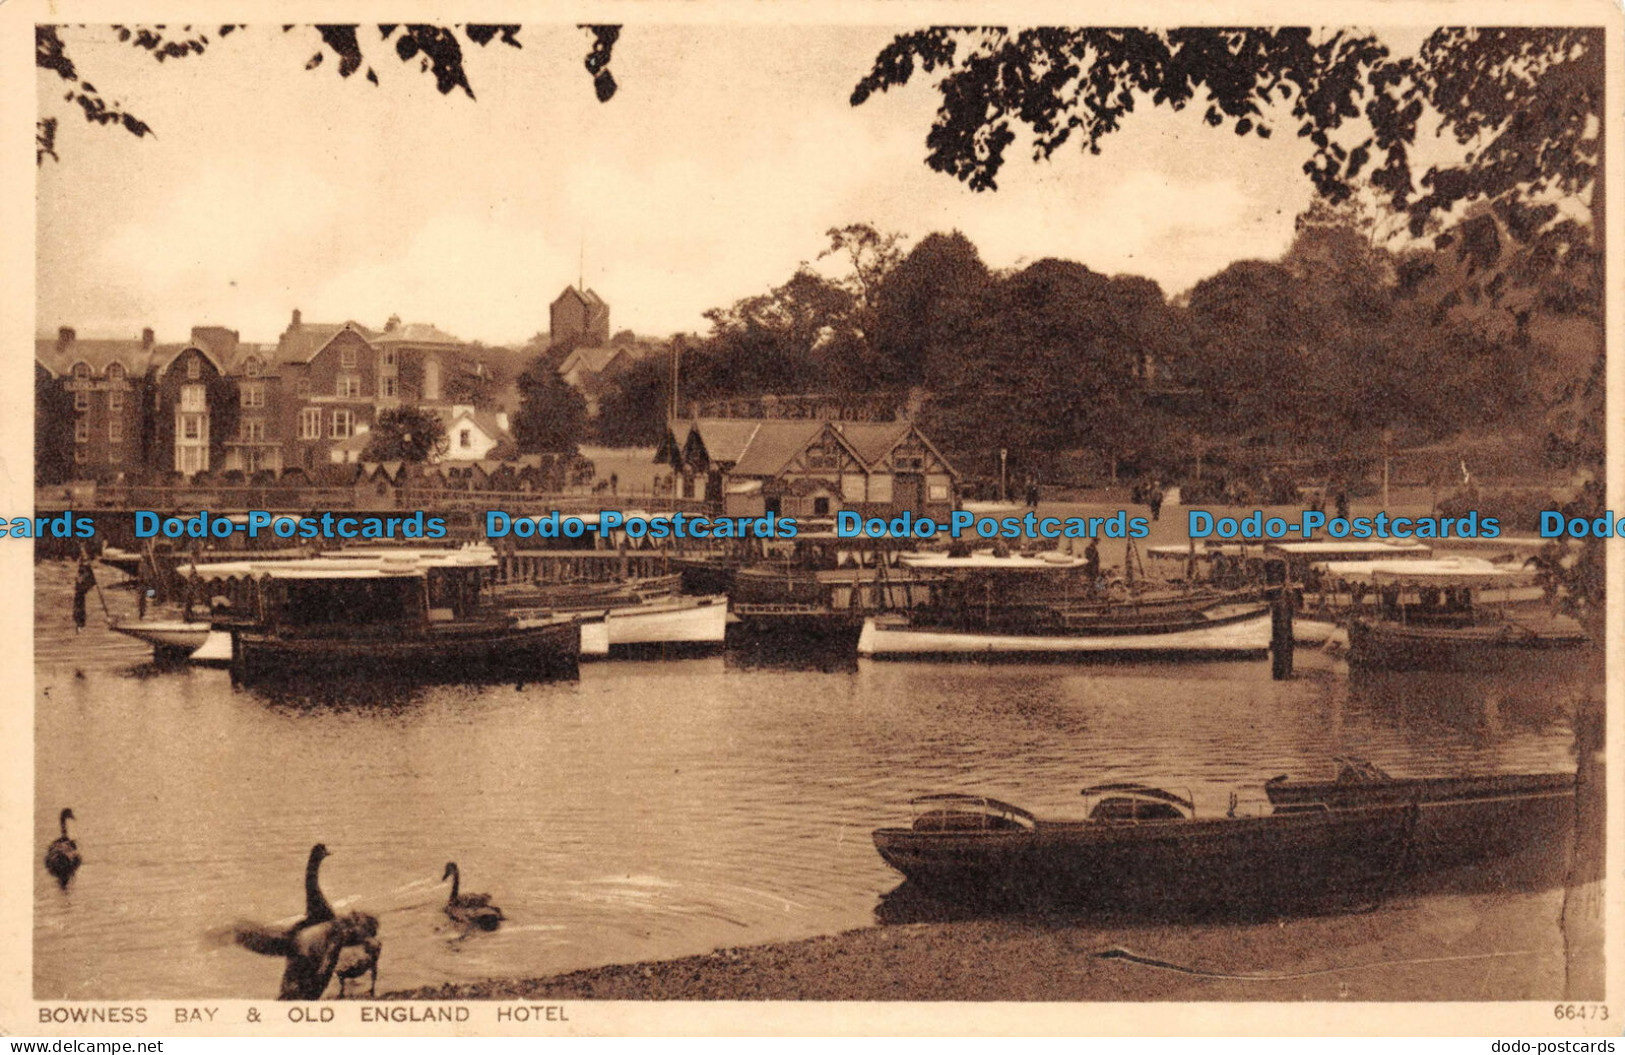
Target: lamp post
[{"x": 1387, "y": 445}]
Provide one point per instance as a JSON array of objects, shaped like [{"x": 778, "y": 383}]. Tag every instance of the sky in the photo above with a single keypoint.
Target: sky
[{"x": 710, "y": 176}]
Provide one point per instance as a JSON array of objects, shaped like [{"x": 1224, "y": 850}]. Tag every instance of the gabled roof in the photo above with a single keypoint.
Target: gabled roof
[
  {"x": 417, "y": 333},
  {"x": 302, "y": 343},
  {"x": 484, "y": 420},
  {"x": 755, "y": 446},
  {"x": 874, "y": 440},
  {"x": 774, "y": 444},
  {"x": 98, "y": 354},
  {"x": 593, "y": 360},
  {"x": 585, "y": 296}
]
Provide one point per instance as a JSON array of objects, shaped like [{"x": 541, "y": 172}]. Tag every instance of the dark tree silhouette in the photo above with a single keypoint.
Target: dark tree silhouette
[
  {"x": 552, "y": 416},
  {"x": 437, "y": 50},
  {"x": 1527, "y": 102},
  {"x": 407, "y": 434}
]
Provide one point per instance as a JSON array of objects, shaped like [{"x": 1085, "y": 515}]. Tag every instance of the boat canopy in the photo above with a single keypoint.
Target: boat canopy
[
  {"x": 1346, "y": 550},
  {"x": 1440, "y": 571},
  {"x": 1203, "y": 552},
  {"x": 1144, "y": 791},
  {"x": 987, "y": 562}
]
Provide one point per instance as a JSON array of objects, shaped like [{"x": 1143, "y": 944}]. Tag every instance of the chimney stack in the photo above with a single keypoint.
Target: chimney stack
[
  {"x": 146, "y": 339},
  {"x": 64, "y": 337},
  {"x": 294, "y": 325}
]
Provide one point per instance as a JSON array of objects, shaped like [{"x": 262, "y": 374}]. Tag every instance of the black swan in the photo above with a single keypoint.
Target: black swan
[
  {"x": 311, "y": 946},
  {"x": 470, "y": 910},
  {"x": 62, "y": 856},
  {"x": 317, "y": 910}
]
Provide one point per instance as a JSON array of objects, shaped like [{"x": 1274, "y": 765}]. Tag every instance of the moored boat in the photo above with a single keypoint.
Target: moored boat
[
  {"x": 418, "y": 618},
  {"x": 795, "y": 626},
  {"x": 1145, "y": 848},
  {"x": 169, "y": 638},
  {"x": 1224, "y": 631},
  {"x": 678, "y": 623},
  {"x": 1460, "y": 819},
  {"x": 1443, "y": 614}
]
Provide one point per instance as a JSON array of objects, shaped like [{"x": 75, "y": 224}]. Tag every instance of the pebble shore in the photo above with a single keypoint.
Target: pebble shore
[{"x": 1488, "y": 946}]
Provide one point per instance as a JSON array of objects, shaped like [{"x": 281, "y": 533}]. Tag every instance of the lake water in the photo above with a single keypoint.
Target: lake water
[{"x": 646, "y": 810}]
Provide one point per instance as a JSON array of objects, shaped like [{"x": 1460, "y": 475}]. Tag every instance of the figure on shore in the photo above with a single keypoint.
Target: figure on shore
[
  {"x": 62, "y": 856},
  {"x": 1154, "y": 499},
  {"x": 1342, "y": 506},
  {"x": 1032, "y": 492}
]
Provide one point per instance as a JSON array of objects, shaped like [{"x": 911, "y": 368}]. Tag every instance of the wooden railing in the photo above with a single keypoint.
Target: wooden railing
[{"x": 239, "y": 498}]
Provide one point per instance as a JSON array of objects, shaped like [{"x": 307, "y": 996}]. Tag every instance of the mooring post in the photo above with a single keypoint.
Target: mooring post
[{"x": 1281, "y": 635}]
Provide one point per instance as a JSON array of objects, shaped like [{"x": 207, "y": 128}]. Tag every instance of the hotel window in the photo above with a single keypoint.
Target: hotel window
[
  {"x": 81, "y": 400},
  {"x": 191, "y": 427},
  {"x": 81, "y": 454},
  {"x": 115, "y": 430},
  {"x": 253, "y": 395},
  {"x": 389, "y": 357},
  {"x": 193, "y": 397},
  {"x": 465, "y": 438},
  {"x": 251, "y": 430},
  {"x": 349, "y": 386},
  {"x": 389, "y": 386},
  {"x": 310, "y": 424},
  {"x": 342, "y": 425},
  {"x": 252, "y": 368},
  {"x": 191, "y": 459},
  {"x": 81, "y": 431},
  {"x": 302, "y": 386},
  {"x": 347, "y": 358},
  {"x": 81, "y": 371},
  {"x": 115, "y": 455},
  {"x": 115, "y": 372},
  {"x": 194, "y": 368},
  {"x": 115, "y": 400}
]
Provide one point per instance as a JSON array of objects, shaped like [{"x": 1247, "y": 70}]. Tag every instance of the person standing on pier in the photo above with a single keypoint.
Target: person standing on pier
[
  {"x": 83, "y": 583},
  {"x": 1091, "y": 565}
]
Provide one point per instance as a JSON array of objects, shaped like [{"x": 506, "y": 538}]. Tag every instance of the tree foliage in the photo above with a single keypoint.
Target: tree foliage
[
  {"x": 552, "y": 416},
  {"x": 1525, "y": 103},
  {"x": 53, "y": 430},
  {"x": 406, "y": 434},
  {"x": 436, "y": 50}
]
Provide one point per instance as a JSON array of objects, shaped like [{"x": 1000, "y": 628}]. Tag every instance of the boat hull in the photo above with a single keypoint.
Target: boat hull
[
  {"x": 1460, "y": 820},
  {"x": 445, "y": 654},
  {"x": 701, "y": 621},
  {"x": 1173, "y": 865},
  {"x": 1246, "y": 638},
  {"x": 1389, "y": 646},
  {"x": 173, "y": 636},
  {"x": 789, "y": 626}
]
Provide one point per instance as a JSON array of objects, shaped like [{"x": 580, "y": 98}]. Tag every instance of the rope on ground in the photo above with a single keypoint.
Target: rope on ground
[{"x": 1117, "y": 952}]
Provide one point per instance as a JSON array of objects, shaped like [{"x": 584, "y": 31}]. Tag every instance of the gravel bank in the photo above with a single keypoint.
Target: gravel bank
[{"x": 1444, "y": 947}]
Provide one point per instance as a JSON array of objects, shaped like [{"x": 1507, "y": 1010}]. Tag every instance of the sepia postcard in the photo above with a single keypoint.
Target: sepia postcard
[{"x": 910, "y": 518}]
